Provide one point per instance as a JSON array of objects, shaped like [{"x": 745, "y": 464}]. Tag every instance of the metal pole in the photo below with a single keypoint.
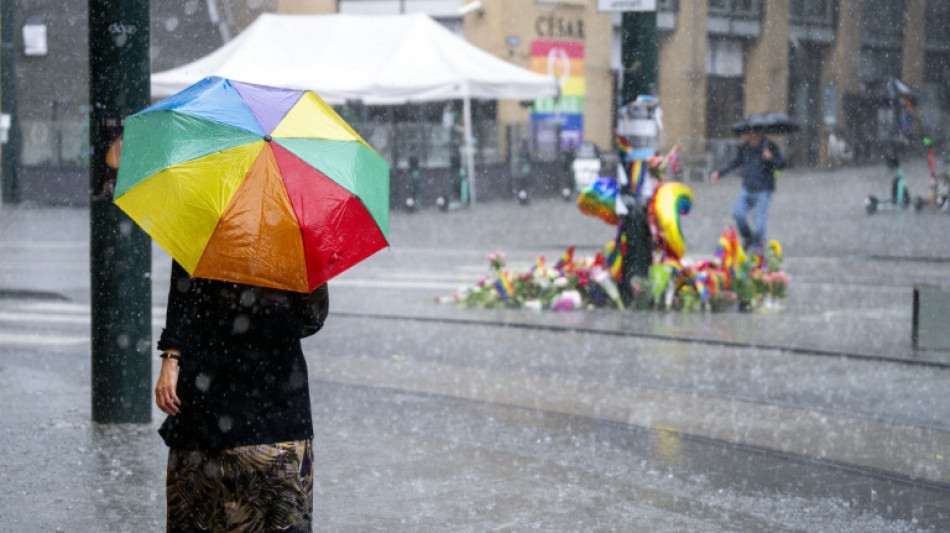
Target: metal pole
[
  {"x": 469, "y": 148},
  {"x": 639, "y": 54},
  {"x": 119, "y": 252},
  {"x": 639, "y": 58},
  {"x": 8, "y": 100}
]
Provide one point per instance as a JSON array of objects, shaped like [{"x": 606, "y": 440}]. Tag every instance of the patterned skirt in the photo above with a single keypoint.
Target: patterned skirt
[{"x": 247, "y": 489}]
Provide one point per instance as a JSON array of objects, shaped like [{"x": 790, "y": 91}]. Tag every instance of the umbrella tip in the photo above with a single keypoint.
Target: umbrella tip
[{"x": 268, "y": 138}]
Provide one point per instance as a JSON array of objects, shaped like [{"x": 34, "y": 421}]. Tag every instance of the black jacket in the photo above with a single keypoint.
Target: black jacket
[
  {"x": 243, "y": 378},
  {"x": 757, "y": 174}
]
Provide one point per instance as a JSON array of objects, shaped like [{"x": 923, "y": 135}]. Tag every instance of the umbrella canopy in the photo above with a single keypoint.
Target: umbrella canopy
[
  {"x": 254, "y": 184},
  {"x": 775, "y": 123}
]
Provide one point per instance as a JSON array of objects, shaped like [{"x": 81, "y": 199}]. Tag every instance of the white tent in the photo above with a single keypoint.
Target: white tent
[{"x": 374, "y": 59}]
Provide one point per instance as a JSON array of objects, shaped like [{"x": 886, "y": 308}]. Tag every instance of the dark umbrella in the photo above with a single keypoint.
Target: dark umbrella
[{"x": 775, "y": 123}]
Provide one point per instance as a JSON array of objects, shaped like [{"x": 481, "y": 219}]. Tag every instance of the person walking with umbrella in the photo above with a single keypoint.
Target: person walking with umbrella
[
  {"x": 758, "y": 159},
  {"x": 260, "y": 195}
]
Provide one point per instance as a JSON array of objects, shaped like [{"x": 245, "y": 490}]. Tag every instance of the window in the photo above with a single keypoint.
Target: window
[
  {"x": 813, "y": 12},
  {"x": 938, "y": 20},
  {"x": 736, "y": 8},
  {"x": 882, "y": 23}
]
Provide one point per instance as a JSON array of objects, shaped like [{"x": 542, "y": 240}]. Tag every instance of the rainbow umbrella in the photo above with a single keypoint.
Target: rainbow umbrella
[{"x": 254, "y": 184}]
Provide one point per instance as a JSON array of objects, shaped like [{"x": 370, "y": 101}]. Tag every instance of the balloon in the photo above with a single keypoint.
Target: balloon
[
  {"x": 671, "y": 200},
  {"x": 599, "y": 200}
]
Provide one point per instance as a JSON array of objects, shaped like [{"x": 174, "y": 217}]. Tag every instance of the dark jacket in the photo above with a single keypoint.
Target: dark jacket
[
  {"x": 243, "y": 378},
  {"x": 757, "y": 174}
]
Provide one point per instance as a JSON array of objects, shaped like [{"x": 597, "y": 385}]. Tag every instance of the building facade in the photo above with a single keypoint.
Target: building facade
[{"x": 830, "y": 64}]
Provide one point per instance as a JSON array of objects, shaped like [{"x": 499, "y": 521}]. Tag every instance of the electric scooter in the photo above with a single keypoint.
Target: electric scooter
[
  {"x": 939, "y": 197},
  {"x": 900, "y": 195}
]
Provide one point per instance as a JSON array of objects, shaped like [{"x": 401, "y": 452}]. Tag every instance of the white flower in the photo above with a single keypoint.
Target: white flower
[{"x": 532, "y": 305}]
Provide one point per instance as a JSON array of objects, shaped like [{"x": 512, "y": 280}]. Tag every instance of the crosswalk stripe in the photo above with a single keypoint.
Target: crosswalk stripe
[
  {"x": 393, "y": 284},
  {"x": 44, "y": 339},
  {"x": 47, "y": 318}
]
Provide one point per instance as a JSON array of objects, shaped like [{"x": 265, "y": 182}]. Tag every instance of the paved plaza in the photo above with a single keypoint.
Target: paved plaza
[{"x": 818, "y": 417}]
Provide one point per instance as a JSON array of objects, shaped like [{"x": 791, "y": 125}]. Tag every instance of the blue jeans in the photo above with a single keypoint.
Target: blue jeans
[{"x": 758, "y": 202}]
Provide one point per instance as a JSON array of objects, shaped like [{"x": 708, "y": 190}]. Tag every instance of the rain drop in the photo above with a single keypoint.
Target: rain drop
[
  {"x": 191, "y": 7},
  {"x": 122, "y": 340},
  {"x": 125, "y": 228},
  {"x": 241, "y": 324},
  {"x": 203, "y": 382}
]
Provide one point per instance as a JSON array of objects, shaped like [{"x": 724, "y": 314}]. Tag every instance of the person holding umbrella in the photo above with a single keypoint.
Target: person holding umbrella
[
  {"x": 759, "y": 159},
  {"x": 260, "y": 195},
  {"x": 234, "y": 384}
]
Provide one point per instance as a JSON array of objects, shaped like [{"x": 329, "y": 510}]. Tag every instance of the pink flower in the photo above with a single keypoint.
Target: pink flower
[{"x": 568, "y": 301}]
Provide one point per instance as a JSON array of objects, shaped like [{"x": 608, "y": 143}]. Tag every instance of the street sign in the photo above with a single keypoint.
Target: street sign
[{"x": 626, "y": 5}]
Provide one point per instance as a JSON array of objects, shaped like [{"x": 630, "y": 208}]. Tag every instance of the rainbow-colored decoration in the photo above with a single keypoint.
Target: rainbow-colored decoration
[
  {"x": 566, "y": 262},
  {"x": 254, "y": 184},
  {"x": 671, "y": 200},
  {"x": 599, "y": 200},
  {"x": 639, "y": 172},
  {"x": 504, "y": 287},
  {"x": 730, "y": 254},
  {"x": 624, "y": 146},
  {"x": 565, "y": 61},
  {"x": 614, "y": 251}
]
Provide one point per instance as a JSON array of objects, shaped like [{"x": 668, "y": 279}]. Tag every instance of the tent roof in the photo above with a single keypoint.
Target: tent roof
[{"x": 376, "y": 59}]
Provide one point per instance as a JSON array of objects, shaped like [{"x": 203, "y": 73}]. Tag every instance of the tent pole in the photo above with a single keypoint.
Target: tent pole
[{"x": 469, "y": 151}]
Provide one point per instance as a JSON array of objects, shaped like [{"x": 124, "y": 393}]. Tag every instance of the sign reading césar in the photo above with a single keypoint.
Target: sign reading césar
[{"x": 551, "y": 27}]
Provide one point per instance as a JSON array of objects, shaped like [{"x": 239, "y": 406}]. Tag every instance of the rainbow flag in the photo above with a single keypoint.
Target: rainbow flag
[
  {"x": 565, "y": 61},
  {"x": 538, "y": 265},
  {"x": 566, "y": 262},
  {"x": 504, "y": 287},
  {"x": 614, "y": 259},
  {"x": 624, "y": 146},
  {"x": 639, "y": 172},
  {"x": 700, "y": 281}
]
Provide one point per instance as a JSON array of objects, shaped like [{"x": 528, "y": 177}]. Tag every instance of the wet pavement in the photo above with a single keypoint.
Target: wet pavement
[{"x": 817, "y": 417}]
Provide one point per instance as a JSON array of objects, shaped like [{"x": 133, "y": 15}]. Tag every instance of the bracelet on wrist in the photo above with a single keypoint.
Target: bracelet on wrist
[{"x": 167, "y": 355}]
